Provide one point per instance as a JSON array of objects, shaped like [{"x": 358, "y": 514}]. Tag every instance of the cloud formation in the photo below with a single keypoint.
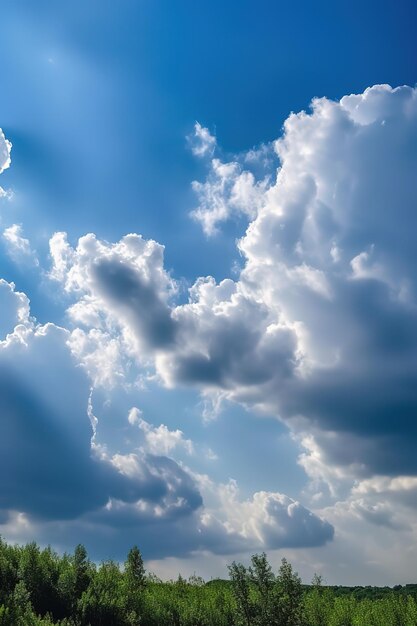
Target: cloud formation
[
  {"x": 61, "y": 480},
  {"x": 18, "y": 247},
  {"x": 5, "y": 150},
  {"x": 14, "y": 308},
  {"x": 340, "y": 277},
  {"x": 320, "y": 327},
  {"x": 202, "y": 142},
  {"x": 159, "y": 439},
  {"x": 229, "y": 190},
  {"x": 5, "y": 159},
  {"x": 52, "y": 468}
]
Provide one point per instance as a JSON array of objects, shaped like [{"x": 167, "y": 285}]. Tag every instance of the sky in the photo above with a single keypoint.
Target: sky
[{"x": 208, "y": 287}]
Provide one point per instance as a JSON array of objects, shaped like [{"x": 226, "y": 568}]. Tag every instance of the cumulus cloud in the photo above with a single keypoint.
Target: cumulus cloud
[
  {"x": 61, "y": 481},
  {"x": 5, "y": 150},
  {"x": 320, "y": 327},
  {"x": 320, "y": 256},
  {"x": 273, "y": 520},
  {"x": 18, "y": 247},
  {"x": 159, "y": 439},
  {"x": 124, "y": 282},
  {"x": 51, "y": 468},
  {"x": 175, "y": 526},
  {"x": 229, "y": 190},
  {"x": 205, "y": 341},
  {"x": 14, "y": 308}
]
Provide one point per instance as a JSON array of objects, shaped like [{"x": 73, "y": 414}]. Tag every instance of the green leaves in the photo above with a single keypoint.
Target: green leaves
[{"x": 40, "y": 588}]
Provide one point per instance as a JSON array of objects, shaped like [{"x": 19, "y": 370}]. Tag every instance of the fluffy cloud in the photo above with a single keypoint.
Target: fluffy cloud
[
  {"x": 228, "y": 191},
  {"x": 14, "y": 309},
  {"x": 203, "y": 342},
  {"x": 5, "y": 159},
  {"x": 267, "y": 521},
  {"x": 61, "y": 481},
  {"x": 18, "y": 247},
  {"x": 50, "y": 467},
  {"x": 159, "y": 439},
  {"x": 273, "y": 520},
  {"x": 59, "y": 478},
  {"x": 320, "y": 328},
  {"x": 5, "y": 150},
  {"x": 124, "y": 282},
  {"x": 330, "y": 253}
]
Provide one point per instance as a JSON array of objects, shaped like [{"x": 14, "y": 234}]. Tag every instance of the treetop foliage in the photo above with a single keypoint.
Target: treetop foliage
[{"x": 40, "y": 588}]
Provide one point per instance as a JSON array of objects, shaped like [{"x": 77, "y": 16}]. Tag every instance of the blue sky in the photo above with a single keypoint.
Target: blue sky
[{"x": 258, "y": 398}]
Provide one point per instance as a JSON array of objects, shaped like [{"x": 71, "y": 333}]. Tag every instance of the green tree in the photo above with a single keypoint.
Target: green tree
[
  {"x": 245, "y": 609},
  {"x": 290, "y": 594},
  {"x": 134, "y": 584},
  {"x": 134, "y": 570},
  {"x": 82, "y": 570},
  {"x": 102, "y": 603},
  {"x": 317, "y": 604},
  {"x": 263, "y": 582}
]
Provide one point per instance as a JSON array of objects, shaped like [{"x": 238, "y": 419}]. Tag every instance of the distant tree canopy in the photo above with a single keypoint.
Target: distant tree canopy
[{"x": 40, "y": 588}]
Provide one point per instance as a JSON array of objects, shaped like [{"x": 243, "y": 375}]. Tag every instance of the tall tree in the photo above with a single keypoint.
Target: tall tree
[
  {"x": 240, "y": 579},
  {"x": 290, "y": 595}
]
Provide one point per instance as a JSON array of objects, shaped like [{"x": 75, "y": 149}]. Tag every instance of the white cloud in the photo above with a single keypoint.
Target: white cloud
[
  {"x": 134, "y": 415},
  {"x": 14, "y": 309},
  {"x": 5, "y": 150},
  {"x": 229, "y": 190},
  {"x": 123, "y": 293},
  {"x": 52, "y": 468},
  {"x": 318, "y": 328},
  {"x": 61, "y": 256},
  {"x": 272, "y": 520},
  {"x": 202, "y": 142},
  {"x": 5, "y": 160},
  {"x": 61, "y": 480},
  {"x": 320, "y": 324},
  {"x": 101, "y": 355},
  {"x": 159, "y": 439},
  {"x": 18, "y": 247}
]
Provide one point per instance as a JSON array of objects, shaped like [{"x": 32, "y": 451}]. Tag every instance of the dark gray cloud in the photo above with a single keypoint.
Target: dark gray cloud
[
  {"x": 70, "y": 490},
  {"x": 136, "y": 300},
  {"x": 282, "y": 523},
  {"x": 49, "y": 468}
]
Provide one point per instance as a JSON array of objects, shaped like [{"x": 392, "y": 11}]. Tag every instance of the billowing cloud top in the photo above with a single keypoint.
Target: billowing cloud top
[{"x": 320, "y": 326}]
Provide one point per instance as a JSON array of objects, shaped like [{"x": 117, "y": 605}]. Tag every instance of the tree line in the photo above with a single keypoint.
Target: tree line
[{"x": 38, "y": 587}]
